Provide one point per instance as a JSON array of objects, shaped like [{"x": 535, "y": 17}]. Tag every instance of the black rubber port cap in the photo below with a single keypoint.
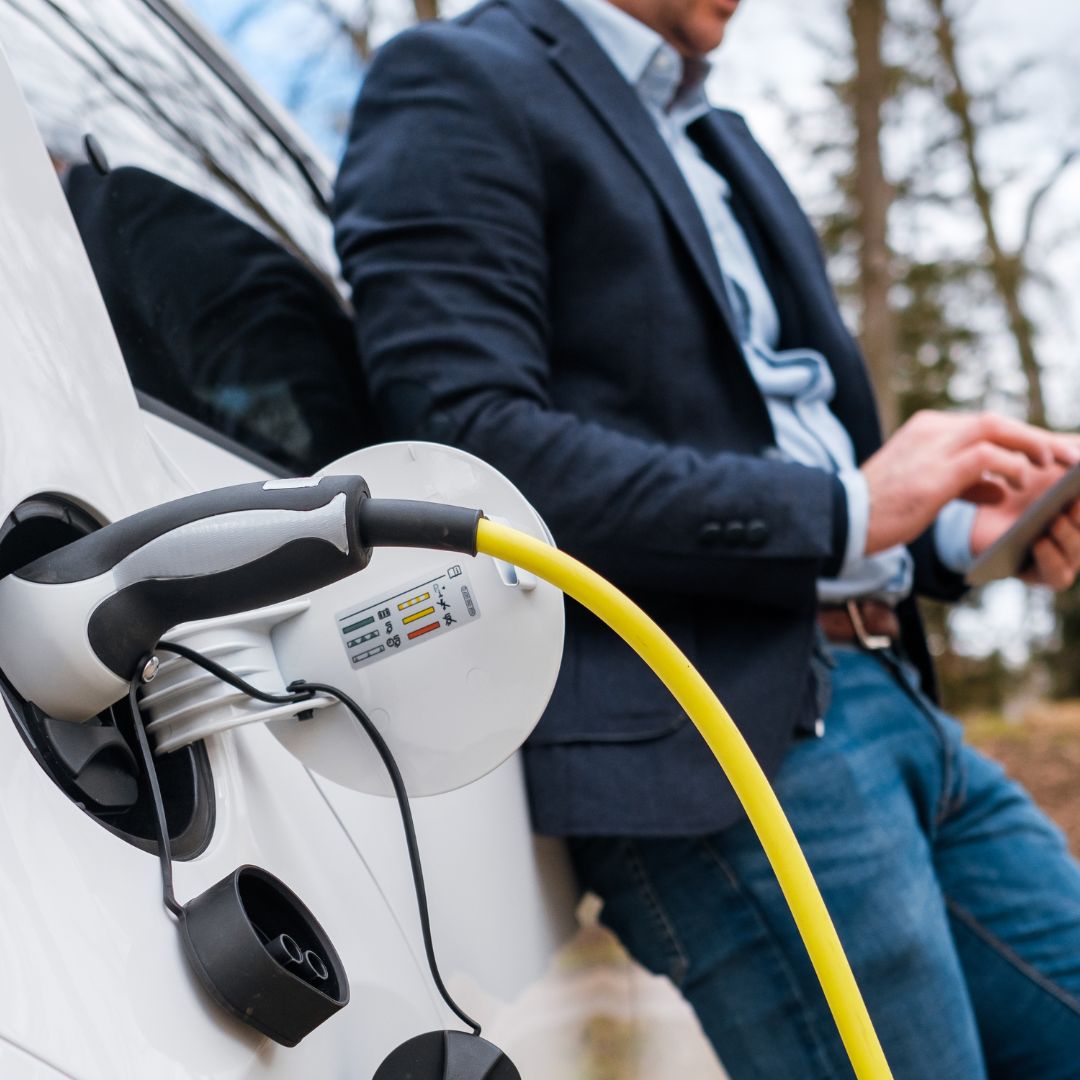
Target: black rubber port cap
[
  {"x": 263, "y": 957},
  {"x": 447, "y": 1055}
]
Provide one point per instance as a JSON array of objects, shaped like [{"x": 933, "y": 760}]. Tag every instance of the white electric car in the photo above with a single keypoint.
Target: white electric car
[{"x": 94, "y": 984}]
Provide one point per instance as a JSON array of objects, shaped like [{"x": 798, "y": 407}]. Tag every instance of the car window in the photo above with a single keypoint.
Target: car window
[
  {"x": 125, "y": 71},
  {"x": 208, "y": 232}
]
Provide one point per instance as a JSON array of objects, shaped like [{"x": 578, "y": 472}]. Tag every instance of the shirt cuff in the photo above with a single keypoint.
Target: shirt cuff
[
  {"x": 952, "y": 535},
  {"x": 858, "y": 516}
]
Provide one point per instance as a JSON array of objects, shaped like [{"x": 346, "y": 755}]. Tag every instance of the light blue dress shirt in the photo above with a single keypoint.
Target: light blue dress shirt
[{"x": 797, "y": 384}]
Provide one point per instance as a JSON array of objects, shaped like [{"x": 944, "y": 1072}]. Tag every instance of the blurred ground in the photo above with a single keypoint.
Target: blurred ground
[
  {"x": 597, "y": 1015},
  {"x": 638, "y": 1028},
  {"x": 1042, "y": 750}
]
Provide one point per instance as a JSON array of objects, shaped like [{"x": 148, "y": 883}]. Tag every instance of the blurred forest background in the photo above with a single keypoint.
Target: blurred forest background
[{"x": 936, "y": 143}]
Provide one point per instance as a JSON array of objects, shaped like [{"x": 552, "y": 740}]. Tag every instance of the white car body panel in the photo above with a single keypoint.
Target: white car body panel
[
  {"x": 70, "y": 421},
  {"x": 94, "y": 985}
]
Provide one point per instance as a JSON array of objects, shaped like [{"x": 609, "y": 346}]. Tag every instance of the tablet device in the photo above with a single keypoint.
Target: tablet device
[{"x": 1007, "y": 555}]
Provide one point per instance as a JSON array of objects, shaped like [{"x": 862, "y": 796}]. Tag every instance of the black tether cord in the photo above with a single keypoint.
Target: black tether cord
[
  {"x": 410, "y": 833},
  {"x": 225, "y": 675},
  {"x": 304, "y": 691},
  {"x": 161, "y": 826}
]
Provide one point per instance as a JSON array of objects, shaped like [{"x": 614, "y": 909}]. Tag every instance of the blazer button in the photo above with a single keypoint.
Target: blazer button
[
  {"x": 710, "y": 534},
  {"x": 735, "y": 533},
  {"x": 757, "y": 533}
]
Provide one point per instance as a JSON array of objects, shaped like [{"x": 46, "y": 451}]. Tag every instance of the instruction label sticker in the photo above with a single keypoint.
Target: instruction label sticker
[{"x": 410, "y": 616}]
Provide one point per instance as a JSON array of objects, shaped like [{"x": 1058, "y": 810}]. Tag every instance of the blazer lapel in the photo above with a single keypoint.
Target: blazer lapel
[
  {"x": 728, "y": 145},
  {"x": 583, "y": 63}
]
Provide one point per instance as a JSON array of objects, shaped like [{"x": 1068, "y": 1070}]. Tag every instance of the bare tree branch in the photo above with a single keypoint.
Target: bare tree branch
[
  {"x": 256, "y": 9},
  {"x": 1040, "y": 196},
  {"x": 1008, "y": 268}
]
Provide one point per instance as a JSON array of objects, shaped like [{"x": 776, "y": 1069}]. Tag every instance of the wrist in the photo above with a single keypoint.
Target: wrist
[{"x": 953, "y": 535}]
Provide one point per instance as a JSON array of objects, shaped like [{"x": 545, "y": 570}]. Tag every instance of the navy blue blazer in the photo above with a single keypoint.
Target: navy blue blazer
[{"x": 533, "y": 282}]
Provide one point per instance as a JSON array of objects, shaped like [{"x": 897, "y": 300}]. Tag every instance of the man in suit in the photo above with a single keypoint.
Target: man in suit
[{"x": 565, "y": 262}]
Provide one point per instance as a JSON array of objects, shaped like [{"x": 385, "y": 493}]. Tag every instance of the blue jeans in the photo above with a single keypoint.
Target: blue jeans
[{"x": 955, "y": 899}]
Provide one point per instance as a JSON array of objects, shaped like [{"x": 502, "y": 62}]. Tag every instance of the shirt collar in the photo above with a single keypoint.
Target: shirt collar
[{"x": 647, "y": 62}]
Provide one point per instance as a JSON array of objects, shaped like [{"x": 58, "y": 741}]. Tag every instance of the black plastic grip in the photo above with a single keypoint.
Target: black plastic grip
[{"x": 409, "y": 523}]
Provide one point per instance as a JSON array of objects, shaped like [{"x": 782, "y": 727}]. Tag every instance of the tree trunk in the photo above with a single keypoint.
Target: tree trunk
[
  {"x": 873, "y": 197},
  {"x": 1007, "y": 269},
  {"x": 426, "y": 9}
]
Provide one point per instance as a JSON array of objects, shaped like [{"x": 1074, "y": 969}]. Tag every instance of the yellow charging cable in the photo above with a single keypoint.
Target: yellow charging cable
[{"x": 738, "y": 762}]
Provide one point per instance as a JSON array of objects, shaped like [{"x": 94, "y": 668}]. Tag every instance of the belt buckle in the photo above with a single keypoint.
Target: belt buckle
[{"x": 870, "y": 642}]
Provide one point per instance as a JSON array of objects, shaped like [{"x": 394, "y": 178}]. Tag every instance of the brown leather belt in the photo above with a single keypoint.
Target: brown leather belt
[{"x": 870, "y": 623}]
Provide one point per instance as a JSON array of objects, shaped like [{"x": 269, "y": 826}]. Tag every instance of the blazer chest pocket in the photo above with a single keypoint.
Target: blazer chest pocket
[{"x": 606, "y": 693}]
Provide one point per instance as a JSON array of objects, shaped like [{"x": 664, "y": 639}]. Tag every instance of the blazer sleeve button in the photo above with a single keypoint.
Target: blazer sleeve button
[
  {"x": 710, "y": 534},
  {"x": 757, "y": 533},
  {"x": 735, "y": 533}
]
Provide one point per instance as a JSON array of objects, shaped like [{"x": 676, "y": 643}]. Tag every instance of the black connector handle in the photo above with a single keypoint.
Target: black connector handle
[
  {"x": 94, "y": 607},
  {"x": 200, "y": 557}
]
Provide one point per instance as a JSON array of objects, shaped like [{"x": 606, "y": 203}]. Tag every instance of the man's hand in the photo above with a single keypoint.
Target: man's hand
[
  {"x": 937, "y": 457},
  {"x": 1056, "y": 555}
]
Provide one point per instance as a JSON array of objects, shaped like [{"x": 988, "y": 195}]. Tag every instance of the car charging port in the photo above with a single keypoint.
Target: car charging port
[
  {"x": 39, "y": 526},
  {"x": 93, "y": 763}
]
